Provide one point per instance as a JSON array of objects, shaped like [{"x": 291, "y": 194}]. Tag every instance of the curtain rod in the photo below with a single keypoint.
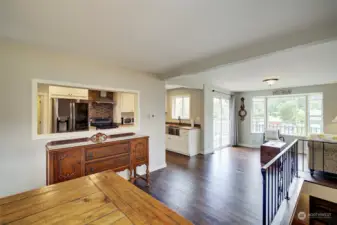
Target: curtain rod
[{"x": 221, "y": 92}]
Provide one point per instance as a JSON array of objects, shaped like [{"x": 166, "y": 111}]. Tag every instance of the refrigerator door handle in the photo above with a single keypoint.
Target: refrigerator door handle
[
  {"x": 55, "y": 115},
  {"x": 74, "y": 116},
  {"x": 70, "y": 128}
]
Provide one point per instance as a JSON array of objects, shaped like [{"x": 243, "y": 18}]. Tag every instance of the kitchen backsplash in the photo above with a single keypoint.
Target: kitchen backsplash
[{"x": 100, "y": 110}]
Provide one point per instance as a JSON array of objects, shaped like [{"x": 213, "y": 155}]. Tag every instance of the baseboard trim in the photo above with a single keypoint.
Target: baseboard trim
[
  {"x": 152, "y": 169},
  {"x": 141, "y": 171},
  {"x": 248, "y": 145}
]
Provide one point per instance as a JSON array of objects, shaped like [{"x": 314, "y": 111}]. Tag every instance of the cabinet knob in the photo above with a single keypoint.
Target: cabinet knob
[{"x": 90, "y": 155}]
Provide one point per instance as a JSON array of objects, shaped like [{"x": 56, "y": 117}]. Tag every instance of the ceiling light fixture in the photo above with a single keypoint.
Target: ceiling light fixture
[{"x": 270, "y": 81}]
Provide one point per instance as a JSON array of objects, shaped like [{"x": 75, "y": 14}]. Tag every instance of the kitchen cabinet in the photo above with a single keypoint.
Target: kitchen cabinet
[
  {"x": 93, "y": 95},
  {"x": 127, "y": 102},
  {"x": 186, "y": 143},
  {"x": 66, "y": 92}
]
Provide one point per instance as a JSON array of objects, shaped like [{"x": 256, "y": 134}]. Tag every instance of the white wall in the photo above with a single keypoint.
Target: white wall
[
  {"x": 246, "y": 138},
  {"x": 22, "y": 160}
]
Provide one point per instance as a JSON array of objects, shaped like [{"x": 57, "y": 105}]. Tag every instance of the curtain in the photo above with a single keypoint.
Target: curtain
[{"x": 234, "y": 122}]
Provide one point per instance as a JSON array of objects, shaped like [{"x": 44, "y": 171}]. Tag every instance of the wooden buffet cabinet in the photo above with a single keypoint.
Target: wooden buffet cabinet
[{"x": 70, "y": 160}]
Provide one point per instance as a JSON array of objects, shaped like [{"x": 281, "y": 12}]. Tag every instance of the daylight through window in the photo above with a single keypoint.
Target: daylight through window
[
  {"x": 181, "y": 107},
  {"x": 291, "y": 114}
]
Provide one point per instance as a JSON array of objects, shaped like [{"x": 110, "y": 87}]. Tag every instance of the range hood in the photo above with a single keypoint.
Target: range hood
[{"x": 103, "y": 98}]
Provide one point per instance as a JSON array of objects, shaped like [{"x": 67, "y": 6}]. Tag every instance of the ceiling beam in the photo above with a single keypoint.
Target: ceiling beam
[{"x": 256, "y": 49}]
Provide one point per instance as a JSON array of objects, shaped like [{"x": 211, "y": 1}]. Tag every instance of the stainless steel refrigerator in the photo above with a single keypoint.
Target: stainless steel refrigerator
[{"x": 70, "y": 115}]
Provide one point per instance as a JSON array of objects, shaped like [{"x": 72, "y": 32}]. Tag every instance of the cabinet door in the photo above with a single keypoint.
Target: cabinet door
[
  {"x": 67, "y": 165},
  {"x": 78, "y": 92},
  {"x": 139, "y": 149},
  {"x": 93, "y": 95},
  {"x": 70, "y": 93},
  {"x": 128, "y": 102},
  {"x": 168, "y": 142}
]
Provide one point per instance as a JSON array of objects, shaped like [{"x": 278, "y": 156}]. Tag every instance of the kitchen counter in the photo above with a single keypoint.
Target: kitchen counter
[
  {"x": 86, "y": 141},
  {"x": 184, "y": 127},
  {"x": 126, "y": 125},
  {"x": 101, "y": 198}
]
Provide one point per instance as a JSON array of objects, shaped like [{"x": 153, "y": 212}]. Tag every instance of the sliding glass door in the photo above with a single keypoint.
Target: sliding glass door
[{"x": 220, "y": 122}]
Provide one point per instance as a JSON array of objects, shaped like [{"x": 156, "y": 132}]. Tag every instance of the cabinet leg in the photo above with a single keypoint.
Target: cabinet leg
[
  {"x": 130, "y": 175},
  {"x": 147, "y": 175}
]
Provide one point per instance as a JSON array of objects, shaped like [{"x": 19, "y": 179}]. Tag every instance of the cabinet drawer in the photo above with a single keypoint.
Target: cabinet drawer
[
  {"x": 104, "y": 151},
  {"x": 113, "y": 163},
  {"x": 183, "y": 132}
]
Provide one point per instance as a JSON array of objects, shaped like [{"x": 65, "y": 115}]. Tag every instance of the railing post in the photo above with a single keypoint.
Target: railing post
[{"x": 264, "y": 197}]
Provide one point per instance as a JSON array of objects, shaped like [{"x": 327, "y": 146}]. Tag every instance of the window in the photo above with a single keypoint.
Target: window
[
  {"x": 181, "y": 107},
  {"x": 258, "y": 115},
  {"x": 220, "y": 122},
  {"x": 315, "y": 114},
  {"x": 291, "y": 114}
]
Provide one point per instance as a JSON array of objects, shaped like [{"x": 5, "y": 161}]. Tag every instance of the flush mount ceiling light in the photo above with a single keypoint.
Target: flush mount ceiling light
[{"x": 270, "y": 81}]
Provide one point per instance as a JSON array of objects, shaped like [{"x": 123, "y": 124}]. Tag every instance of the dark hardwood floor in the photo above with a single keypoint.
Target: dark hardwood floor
[{"x": 220, "y": 188}]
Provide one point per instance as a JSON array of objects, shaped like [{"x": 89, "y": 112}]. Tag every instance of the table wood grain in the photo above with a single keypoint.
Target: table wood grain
[{"x": 102, "y": 198}]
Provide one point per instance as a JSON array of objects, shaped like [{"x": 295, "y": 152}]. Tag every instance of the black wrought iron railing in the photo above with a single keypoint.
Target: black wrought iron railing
[{"x": 277, "y": 176}]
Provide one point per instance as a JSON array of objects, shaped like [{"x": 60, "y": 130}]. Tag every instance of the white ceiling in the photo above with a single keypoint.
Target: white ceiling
[
  {"x": 300, "y": 66},
  {"x": 156, "y": 36}
]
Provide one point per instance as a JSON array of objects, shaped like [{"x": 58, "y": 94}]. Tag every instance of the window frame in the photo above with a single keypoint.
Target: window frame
[
  {"x": 173, "y": 105},
  {"x": 264, "y": 118},
  {"x": 307, "y": 112}
]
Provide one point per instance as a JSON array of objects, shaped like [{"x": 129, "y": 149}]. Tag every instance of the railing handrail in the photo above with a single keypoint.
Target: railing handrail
[
  {"x": 317, "y": 140},
  {"x": 265, "y": 167}
]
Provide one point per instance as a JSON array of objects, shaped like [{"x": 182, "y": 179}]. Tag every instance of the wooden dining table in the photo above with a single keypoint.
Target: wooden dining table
[{"x": 101, "y": 198}]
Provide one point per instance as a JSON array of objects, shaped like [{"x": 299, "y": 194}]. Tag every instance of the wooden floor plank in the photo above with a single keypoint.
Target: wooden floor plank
[{"x": 220, "y": 188}]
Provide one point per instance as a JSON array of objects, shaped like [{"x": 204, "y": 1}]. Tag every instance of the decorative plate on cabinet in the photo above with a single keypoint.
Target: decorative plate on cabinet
[{"x": 98, "y": 138}]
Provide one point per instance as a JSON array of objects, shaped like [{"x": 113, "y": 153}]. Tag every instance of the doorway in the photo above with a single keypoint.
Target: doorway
[{"x": 220, "y": 122}]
